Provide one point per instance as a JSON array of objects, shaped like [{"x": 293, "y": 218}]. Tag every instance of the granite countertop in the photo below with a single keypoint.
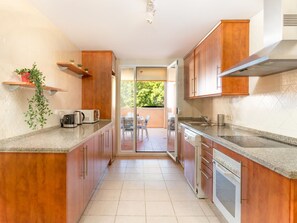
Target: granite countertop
[
  {"x": 52, "y": 140},
  {"x": 281, "y": 158}
]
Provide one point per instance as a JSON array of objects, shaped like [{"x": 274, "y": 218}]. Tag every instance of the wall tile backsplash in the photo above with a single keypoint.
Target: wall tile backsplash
[{"x": 271, "y": 106}]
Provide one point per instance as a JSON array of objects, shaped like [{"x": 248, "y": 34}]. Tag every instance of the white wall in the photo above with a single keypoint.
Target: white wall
[
  {"x": 272, "y": 104},
  {"x": 26, "y": 36}
]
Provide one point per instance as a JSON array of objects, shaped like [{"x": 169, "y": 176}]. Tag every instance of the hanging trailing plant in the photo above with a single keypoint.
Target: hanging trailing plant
[{"x": 38, "y": 105}]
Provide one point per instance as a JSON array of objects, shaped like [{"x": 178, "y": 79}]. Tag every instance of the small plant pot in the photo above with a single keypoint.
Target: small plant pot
[{"x": 26, "y": 77}]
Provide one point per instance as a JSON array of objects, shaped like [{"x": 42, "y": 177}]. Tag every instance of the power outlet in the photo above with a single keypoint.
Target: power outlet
[{"x": 229, "y": 118}]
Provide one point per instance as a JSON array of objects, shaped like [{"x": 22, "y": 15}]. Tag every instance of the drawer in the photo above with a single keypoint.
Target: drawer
[
  {"x": 206, "y": 146},
  {"x": 206, "y": 181},
  {"x": 206, "y": 141},
  {"x": 206, "y": 158}
]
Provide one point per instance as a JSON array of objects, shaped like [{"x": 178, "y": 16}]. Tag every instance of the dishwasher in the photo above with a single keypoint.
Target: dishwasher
[{"x": 192, "y": 161}]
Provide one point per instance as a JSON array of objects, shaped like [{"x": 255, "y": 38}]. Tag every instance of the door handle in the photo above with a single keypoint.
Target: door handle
[{"x": 86, "y": 161}]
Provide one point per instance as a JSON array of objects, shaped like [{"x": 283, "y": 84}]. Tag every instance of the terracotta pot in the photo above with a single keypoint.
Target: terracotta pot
[{"x": 25, "y": 77}]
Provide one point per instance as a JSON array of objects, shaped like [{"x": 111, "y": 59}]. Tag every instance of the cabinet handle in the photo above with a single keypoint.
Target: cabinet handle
[
  {"x": 205, "y": 160},
  {"x": 207, "y": 177},
  {"x": 207, "y": 146},
  {"x": 218, "y": 85}
]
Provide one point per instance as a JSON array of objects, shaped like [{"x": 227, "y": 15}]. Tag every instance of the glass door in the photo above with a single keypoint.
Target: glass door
[
  {"x": 127, "y": 97},
  {"x": 171, "y": 109}
]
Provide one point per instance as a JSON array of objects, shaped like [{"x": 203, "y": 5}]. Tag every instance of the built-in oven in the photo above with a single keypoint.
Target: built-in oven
[{"x": 227, "y": 186}]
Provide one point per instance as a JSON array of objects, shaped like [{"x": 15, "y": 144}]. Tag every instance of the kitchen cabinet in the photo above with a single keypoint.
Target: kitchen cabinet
[
  {"x": 266, "y": 196},
  {"x": 206, "y": 167},
  {"x": 52, "y": 187},
  {"x": 97, "y": 89},
  {"x": 226, "y": 45}
]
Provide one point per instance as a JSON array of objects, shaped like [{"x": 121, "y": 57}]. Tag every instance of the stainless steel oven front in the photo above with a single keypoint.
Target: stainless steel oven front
[{"x": 227, "y": 186}]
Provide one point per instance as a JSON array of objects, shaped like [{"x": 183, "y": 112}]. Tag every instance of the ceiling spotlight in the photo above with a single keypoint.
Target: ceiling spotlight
[{"x": 150, "y": 11}]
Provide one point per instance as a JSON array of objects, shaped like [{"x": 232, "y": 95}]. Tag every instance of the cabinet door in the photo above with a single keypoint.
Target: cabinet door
[
  {"x": 98, "y": 153},
  {"x": 88, "y": 158},
  {"x": 75, "y": 173},
  {"x": 200, "y": 69},
  {"x": 181, "y": 145},
  {"x": 206, "y": 181},
  {"x": 189, "y": 164},
  {"x": 189, "y": 76},
  {"x": 107, "y": 147}
]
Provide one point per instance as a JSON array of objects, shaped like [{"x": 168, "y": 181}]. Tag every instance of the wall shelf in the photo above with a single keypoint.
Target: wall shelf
[
  {"x": 73, "y": 68},
  {"x": 12, "y": 86}
]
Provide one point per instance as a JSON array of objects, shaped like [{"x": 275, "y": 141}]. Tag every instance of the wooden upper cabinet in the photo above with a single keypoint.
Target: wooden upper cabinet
[
  {"x": 226, "y": 45},
  {"x": 97, "y": 89},
  {"x": 189, "y": 76}
]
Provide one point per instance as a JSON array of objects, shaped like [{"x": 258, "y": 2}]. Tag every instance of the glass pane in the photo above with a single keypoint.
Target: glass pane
[
  {"x": 225, "y": 192},
  {"x": 171, "y": 106},
  {"x": 151, "y": 127},
  {"x": 127, "y": 109}
]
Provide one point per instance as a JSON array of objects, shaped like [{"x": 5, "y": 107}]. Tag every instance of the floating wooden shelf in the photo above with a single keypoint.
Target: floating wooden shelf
[
  {"x": 73, "y": 68},
  {"x": 15, "y": 85}
]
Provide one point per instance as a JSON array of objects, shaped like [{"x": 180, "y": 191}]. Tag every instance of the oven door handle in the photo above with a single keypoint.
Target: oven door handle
[{"x": 226, "y": 172}]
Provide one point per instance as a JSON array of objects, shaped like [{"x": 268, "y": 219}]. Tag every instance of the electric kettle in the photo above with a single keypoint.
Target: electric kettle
[{"x": 79, "y": 117}]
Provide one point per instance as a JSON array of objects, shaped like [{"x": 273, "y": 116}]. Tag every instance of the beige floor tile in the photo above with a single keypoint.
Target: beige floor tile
[
  {"x": 156, "y": 195},
  {"x": 182, "y": 195},
  {"x": 152, "y": 170},
  {"x": 98, "y": 219},
  {"x": 173, "y": 176},
  {"x": 134, "y": 170},
  {"x": 192, "y": 219},
  {"x": 88, "y": 207},
  {"x": 171, "y": 170},
  {"x": 134, "y": 176},
  {"x": 177, "y": 185},
  {"x": 130, "y": 219},
  {"x": 160, "y": 219},
  {"x": 153, "y": 176},
  {"x": 107, "y": 195},
  {"x": 132, "y": 195},
  {"x": 111, "y": 185},
  {"x": 187, "y": 208},
  {"x": 159, "y": 208},
  {"x": 116, "y": 170},
  {"x": 155, "y": 185},
  {"x": 134, "y": 208},
  {"x": 114, "y": 176},
  {"x": 103, "y": 208},
  {"x": 135, "y": 185},
  {"x": 206, "y": 208},
  {"x": 214, "y": 220}
]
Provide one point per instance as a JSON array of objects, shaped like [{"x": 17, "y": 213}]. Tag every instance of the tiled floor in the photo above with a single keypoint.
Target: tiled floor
[
  {"x": 146, "y": 191},
  {"x": 156, "y": 142}
]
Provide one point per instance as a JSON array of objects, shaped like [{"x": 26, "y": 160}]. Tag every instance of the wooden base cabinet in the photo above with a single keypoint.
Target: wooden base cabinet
[
  {"x": 266, "y": 196},
  {"x": 221, "y": 49},
  {"x": 206, "y": 167},
  {"x": 52, "y": 187}
]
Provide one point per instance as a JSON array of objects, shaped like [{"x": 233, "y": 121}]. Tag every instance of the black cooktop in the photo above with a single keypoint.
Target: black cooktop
[{"x": 254, "y": 141}]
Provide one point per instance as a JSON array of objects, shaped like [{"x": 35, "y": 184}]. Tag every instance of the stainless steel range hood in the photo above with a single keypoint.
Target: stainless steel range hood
[{"x": 280, "y": 39}]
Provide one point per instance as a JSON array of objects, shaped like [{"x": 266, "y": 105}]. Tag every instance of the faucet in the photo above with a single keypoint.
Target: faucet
[{"x": 206, "y": 119}]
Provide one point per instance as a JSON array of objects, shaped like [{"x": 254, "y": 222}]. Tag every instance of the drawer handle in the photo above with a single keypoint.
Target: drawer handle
[
  {"x": 205, "y": 160},
  {"x": 207, "y": 177},
  {"x": 207, "y": 146}
]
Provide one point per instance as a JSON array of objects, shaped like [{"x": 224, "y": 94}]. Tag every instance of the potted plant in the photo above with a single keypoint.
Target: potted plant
[
  {"x": 25, "y": 74},
  {"x": 79, "y": 65},
  {"x": 72, "y": 61},
  {"x": 87, "y": 70},
  {"x": 38, "y": 105}
]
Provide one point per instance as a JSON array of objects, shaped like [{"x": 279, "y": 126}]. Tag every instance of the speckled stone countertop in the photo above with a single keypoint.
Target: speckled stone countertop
[
  {"x": 281, "y": 159},
  {"x": 52, "y": 140}
]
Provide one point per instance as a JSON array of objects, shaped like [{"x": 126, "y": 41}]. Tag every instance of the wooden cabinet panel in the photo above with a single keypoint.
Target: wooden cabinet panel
[
  {"x": 206, "y": 158},
  {"x": 97, "y": 89},
  {"x": 206, "y": 181},
  {"x": 189, "y": 76},
  {"x": 189, "y": 163},
  {"x": 224, "y": 47},
  {"x": 181, "y": 145}
]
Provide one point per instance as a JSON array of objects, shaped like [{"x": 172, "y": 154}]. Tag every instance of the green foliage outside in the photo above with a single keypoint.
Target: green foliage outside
[{"x": 149, "y": 94}]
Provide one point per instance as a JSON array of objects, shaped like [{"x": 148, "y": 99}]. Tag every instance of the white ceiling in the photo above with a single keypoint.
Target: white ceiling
[{"x": 120, "y": 25}]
